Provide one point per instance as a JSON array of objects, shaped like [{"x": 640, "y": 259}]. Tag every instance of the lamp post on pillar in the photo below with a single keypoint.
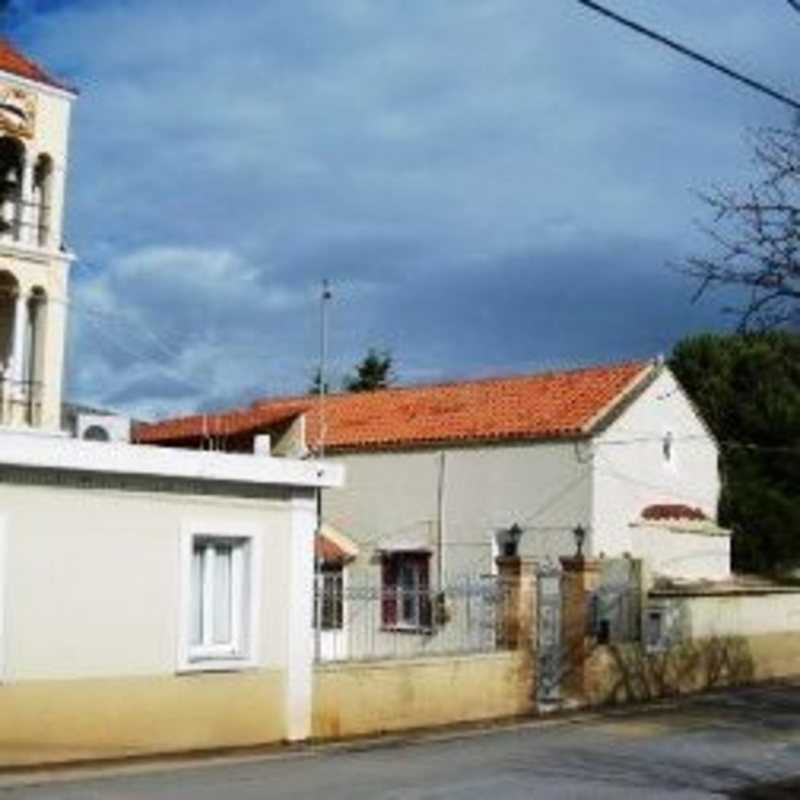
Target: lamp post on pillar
[{"x": 517, "y": 594}]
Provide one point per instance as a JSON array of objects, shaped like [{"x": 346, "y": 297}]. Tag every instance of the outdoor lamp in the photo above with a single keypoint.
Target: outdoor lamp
[
  {"x": 579, "y": 532},
  {"x": 511, "y": 545}
]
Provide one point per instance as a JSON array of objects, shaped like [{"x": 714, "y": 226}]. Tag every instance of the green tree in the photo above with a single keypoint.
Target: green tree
[
  {"x": 747, "y": 387},
  {"x": 373, "y": 372}
]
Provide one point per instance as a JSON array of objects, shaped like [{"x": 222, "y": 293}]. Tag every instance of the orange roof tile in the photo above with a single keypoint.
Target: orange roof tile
[
  {"x": 328, "y": 551},
  {"x": 545, "y": 405},
  {"x": 673, "y": 511},
  {"x": 13, "y": 61}
]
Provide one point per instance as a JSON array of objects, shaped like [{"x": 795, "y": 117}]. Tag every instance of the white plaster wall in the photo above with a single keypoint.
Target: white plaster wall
[
  {"x": 92, "y": 578},
  {"x": 390, "y": 498},
  {"x": 630, "y": 472},
  {"x": 736, "y": 614},
  {"x": 680, "y": 554}
]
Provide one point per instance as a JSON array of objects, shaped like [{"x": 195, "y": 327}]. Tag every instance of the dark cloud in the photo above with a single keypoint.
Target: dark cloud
[{"x": 491, "y": 185}]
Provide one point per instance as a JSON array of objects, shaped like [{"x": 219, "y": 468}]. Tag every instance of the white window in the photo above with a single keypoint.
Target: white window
[
  {"x": 219, "y": 608},
  {"x": 668, "y": 448}
]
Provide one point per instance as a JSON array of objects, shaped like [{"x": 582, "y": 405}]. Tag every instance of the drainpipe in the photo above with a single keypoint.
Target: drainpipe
[{"x": 440, "y": 519}]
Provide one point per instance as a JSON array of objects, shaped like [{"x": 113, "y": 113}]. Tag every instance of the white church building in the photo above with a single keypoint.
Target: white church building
[{"x": 150, "y": 599}]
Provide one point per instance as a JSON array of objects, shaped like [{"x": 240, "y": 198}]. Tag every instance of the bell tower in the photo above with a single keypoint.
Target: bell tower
[{"x": 34, "y": 263}]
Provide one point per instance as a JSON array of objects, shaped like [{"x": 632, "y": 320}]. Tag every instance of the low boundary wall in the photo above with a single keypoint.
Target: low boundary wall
[
  {"x": 712, "y": 639},
  {"x": 628, "y": 672},
  {"x": 352, "y": 699}
]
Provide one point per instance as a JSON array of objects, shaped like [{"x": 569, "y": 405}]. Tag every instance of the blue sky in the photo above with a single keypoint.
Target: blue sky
[{"x": 492, "y": 186}]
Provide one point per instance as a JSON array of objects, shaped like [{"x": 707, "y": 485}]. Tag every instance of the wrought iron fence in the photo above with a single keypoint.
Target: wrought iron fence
[{"x": 358, "y": 620}]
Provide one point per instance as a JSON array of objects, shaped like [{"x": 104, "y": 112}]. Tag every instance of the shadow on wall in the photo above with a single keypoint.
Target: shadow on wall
[{"x": 630, "y": 672}]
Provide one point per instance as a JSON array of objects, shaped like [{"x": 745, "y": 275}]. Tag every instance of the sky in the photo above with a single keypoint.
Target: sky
[{"x": 491, "y": 186}]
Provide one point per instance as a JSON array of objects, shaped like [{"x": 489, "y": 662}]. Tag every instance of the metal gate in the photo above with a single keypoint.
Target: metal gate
[{"x": 548, "y": 635}]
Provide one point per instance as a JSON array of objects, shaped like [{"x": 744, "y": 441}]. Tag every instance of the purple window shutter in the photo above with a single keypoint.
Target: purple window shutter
[
  {"x": 423, "y": 562},
  {"x": 389, "y": 592}
]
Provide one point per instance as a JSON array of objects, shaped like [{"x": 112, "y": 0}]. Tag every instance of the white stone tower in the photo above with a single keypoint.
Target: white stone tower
[{"x": 34, "y": 264}]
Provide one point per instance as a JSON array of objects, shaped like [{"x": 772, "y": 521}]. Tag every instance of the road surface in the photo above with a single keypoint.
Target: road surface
[{"x": 743, "y": 745}]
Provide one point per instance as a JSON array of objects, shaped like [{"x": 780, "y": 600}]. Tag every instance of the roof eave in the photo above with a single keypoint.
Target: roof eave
[{"x": 622, "y": 400}]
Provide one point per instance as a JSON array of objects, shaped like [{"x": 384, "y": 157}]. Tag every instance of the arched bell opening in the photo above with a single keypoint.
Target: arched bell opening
[
  {"x": 9, "y": 291},
  {"x": 12, "y": 167}
]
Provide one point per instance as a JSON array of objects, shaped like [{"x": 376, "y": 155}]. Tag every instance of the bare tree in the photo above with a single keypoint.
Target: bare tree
[{"x": 756, "y": 236}]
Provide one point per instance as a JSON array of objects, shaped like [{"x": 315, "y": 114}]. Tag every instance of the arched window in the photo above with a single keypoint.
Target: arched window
[
  {"x": 96, "y": 433},
  {"x": 12, "y": 161},
  {"x": 9, "y": 289},
  {"x": 42, "y": 198}
]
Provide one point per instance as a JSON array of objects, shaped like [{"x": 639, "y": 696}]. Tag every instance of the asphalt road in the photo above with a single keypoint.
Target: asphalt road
[{"x": 743, "y": 745}]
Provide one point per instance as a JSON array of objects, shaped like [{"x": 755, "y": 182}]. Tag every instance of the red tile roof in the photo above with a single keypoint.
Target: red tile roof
[
  {"x": 545, "y": 405},
  {"x": 673, "y": 511},
  {"x": 329, "y": 552},
  {"x": 13, "y": 61}
]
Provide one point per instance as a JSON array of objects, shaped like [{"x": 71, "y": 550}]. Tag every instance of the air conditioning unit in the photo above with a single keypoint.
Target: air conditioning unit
[{"x": 104, "y": 428}]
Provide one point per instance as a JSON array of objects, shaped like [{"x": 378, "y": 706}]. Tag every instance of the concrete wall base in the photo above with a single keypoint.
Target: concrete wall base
[
  {"x": 352, "y": 699},
  {"x": 45, "y": 722}
]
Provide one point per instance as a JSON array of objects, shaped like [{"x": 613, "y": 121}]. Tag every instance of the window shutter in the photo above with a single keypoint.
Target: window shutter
[
  {"x": 425, "y": 606},
  {"x": 389, "y": 592}
]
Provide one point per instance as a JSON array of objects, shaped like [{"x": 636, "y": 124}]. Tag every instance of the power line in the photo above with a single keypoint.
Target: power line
[
  {"x": 693, "y": 54},
  {"x": 729, "y": 443}
]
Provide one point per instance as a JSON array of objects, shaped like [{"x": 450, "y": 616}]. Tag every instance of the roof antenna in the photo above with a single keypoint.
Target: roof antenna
[{"x": 325, "y": 297}]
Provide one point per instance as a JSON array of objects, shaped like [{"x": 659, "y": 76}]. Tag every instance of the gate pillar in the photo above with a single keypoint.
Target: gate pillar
[
  {"x": 518, "y": 605},
  {"x": 580, "y": 579}
]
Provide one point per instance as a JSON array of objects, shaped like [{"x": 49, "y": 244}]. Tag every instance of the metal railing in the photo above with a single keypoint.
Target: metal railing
[
  {"x": 359, "y": 620},
  {"x": 27, "y": 223}
]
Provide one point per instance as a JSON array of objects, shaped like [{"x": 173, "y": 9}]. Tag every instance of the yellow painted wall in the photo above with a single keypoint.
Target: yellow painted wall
[
  {"x": 362, "y": 698},
  {"x": 57, "y": 721},
  {"x": 623, "y": 673}
]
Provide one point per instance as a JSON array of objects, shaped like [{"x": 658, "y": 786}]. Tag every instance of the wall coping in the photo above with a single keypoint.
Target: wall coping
[
  {"x": 705, "y": 528},
  {"x": 745, "y": 591},
  {"x": 425, "y": 661},
  {"x": 121, "y": 458}
]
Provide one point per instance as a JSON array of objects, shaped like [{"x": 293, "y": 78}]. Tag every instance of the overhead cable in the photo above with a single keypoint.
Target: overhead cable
[{"x": 693, "y": 54}]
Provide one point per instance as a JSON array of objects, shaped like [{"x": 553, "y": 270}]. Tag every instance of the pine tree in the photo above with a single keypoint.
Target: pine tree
[{"x": 373, "y": 372}]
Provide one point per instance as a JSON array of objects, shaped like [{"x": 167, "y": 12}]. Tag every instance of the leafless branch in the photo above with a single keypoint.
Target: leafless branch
[{"x": 755, "y": 235}]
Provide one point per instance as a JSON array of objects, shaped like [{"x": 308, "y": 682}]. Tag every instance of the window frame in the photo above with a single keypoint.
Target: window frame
[
  {"x": 392, "y": 599},
  {"x": 242, "y": 652},
  {"x": 329, "y": 582}
]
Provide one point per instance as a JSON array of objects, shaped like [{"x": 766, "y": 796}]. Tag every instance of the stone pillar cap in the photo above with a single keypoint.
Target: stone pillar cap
[{"x": 579, "y": 564}]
